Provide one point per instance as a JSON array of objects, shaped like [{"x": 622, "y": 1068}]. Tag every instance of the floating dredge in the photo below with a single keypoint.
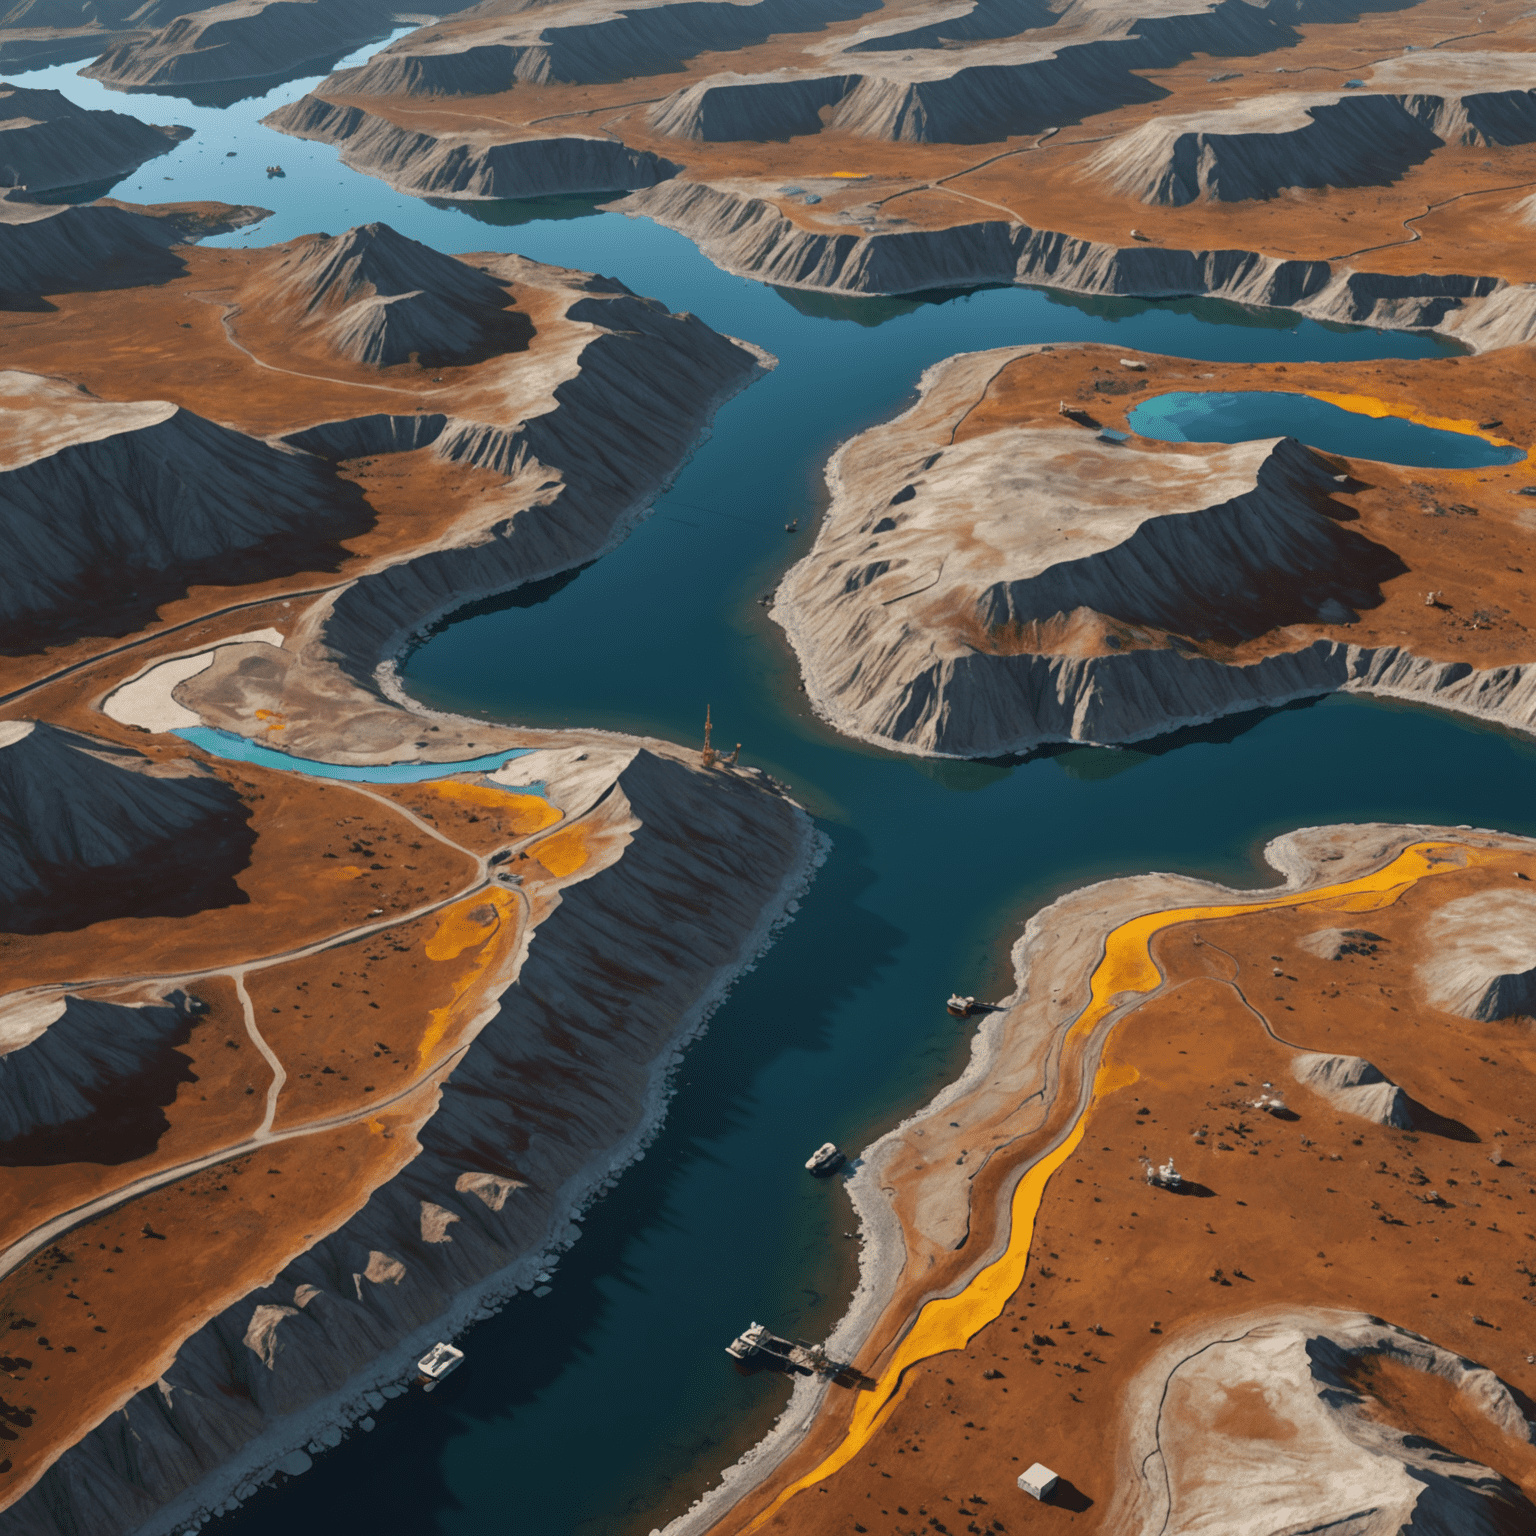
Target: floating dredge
[
  {"x": 757, "y": 1347},
  {"x": 437, "y": 1363},
  {"x": 961, "y": 1007},
  {"x": 825, "y": 1159}
]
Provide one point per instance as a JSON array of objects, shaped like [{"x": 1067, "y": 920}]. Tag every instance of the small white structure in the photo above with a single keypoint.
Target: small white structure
[
  {"x": 1164, "y": 1176},
  {"x": 825, "y": 1159},
  {"x": 959, "y": 1006},
  {"x": 438, "y": 1362},
  {"x": 1038, "y": 1481}
]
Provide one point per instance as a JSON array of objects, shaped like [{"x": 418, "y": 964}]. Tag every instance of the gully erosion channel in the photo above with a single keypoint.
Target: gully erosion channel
[{"x": 607, "y": 1404}]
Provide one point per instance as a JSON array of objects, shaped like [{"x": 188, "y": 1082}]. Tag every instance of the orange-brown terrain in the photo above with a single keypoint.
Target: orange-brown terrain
[
  {"x": 259, "y": 1025},
  {"x": 1004, "y": 134},
  {"x": 1293, "y": 1204}
]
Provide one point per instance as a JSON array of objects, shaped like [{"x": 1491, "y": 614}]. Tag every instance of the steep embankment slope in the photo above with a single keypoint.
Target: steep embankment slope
[
  {"x": 474, "y": 163},
  {"x": 89, "y": 831},
  {"x": 112, "y": 508},
  {"x": 991, "y": 577},
  {"x": 1339, "y": 139},
  {"x": 46, "y": 141},
  {"x": 62, "y": 247}
]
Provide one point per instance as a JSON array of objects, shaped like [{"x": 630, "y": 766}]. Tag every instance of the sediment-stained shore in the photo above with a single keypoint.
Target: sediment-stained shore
[{"x": 979, "y": 1267}]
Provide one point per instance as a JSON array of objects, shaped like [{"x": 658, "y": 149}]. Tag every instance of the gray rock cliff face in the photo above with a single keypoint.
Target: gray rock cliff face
[
  {"x": 1481, "y": 956},
  {"x": 647, "y": 381},
  {"x": 53, "y": 248},
  {"x": 749, "y": 236},
  {"x": 241, "y": 40},
  {"x": 58, "y": 1055},
  {"x": 84, "y": 826},
  {"x": 46, "y": 141},
  {"x": 577, "y": 41},
  {"x": 476, "y": 164},
  {"x": 554, "y": 1095},
  {"x": 1258, "y": 149},
  {"x": 138, "y": 497},
  {"x": 378, "y": 297}
]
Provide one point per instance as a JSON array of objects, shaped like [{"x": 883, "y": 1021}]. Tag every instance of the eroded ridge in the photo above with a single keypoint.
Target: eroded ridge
[
  {"x": 323, "y": 1014},
  {"x": 1009, "y": 563}
]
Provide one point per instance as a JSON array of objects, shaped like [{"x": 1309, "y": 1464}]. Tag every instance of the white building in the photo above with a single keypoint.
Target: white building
[{"x": 1038, "y": 1481}]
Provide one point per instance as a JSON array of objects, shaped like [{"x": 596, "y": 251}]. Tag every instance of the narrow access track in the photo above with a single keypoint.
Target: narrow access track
[{"x": 46, "y": 1232}]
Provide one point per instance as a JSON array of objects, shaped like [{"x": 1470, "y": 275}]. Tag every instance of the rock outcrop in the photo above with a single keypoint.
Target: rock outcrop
[
  {"x": 61, "y": 247},
  {"x": 629, "y": 963},
  {"x": 580, "y": 41},
  {"x": 1336, "y": 943},
  {"x": 641, "y": 387},
  {"x": 46, "y": 141},
  {"x": 1481, "y": 956},
  {"x": 129, "y": 502},
  {"x": 380, "y": 298},
  {"x": 1309, "y": 1454},
  {"x": 1355, "y": 1086},
  {"x": 946, "y": 587},
  {"x": 750, "y": 237},
  {"x": 981, "y": 601},
  {"x": 90, "y": 831},
  {"x": 241, "y": 40},
  {"x": 1266, "y": 145},
  {"x": 478, "y": 163}
]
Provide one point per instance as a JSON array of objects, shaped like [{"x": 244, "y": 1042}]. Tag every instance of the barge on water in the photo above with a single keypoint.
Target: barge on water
[
  {"x": 756, "y": 1347},
  {"x": 437, "y": 1363}
]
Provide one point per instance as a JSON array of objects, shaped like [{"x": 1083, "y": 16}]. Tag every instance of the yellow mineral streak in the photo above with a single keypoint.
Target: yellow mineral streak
[
  {"x": 564, "y": 853},
  {"x": 1369, "y": 405},
  {"x": 1127, "y": 974},
  {"x": 461, "y": 930},
  {"x": 525, "y": 813}
]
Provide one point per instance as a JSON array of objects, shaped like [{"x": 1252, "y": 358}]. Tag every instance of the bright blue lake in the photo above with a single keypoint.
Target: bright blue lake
[
  {"x": 605, "y": 1407},
  {"x": 239, "y": 749},
  {"x": 1218, "y": 417}
]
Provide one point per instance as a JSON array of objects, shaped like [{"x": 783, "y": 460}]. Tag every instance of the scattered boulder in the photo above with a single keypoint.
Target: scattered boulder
[
  {"x": 1335, "y": 943},
  {"x": 1352, "y": 1084}
]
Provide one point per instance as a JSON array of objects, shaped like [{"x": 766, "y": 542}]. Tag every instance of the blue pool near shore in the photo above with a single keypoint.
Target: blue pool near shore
[
  {"x": 238, "y": 749},
  {"x": 607, "y": 1405},
  {"x": 1215, "y": 416}
]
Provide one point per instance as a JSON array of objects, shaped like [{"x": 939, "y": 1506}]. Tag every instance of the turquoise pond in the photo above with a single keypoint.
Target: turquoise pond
[
  {"x": 607, "y": 1406},
  {"x": 1219, "y": 417},
  {"x": 238, "y": 749}
]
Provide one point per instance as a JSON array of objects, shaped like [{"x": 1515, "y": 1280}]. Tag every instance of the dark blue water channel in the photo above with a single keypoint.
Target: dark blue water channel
[{"x": 606, "y": 1406}]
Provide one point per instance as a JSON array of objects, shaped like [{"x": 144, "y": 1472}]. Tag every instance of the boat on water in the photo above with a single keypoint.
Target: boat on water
[
  {"x": 961, "y": 1007},
  {"x": 438, "y": 1362},
  {"x": 757, "y": 1347},
  {"x": 825, "y": 1159}
]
